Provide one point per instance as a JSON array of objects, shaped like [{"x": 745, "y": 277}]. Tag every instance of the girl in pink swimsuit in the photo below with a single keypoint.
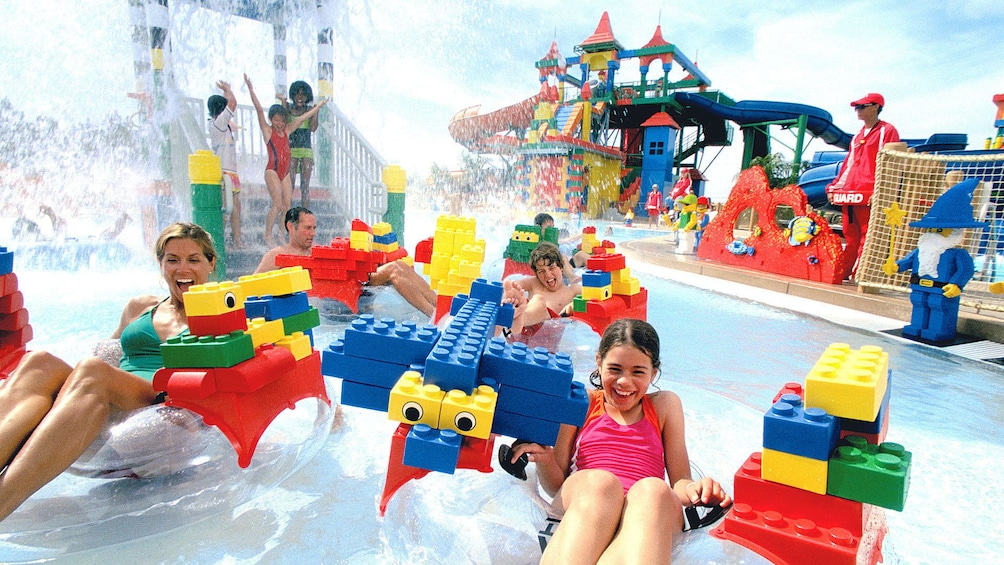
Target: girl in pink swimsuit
[
  {"x": 276, "y": 131},
  {"x": 618, "y": 461}
]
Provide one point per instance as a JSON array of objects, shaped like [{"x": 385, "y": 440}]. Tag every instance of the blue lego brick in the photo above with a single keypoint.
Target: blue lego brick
[
  {"x": 596, "y": 278},
  {"x": 275, "y": 307},
  {"x": 389, "y": 341},
  {"x": 435, "y": 450},
  {"x": 486, "y": 291},
  {"x": 473, "y": 311},
  {"x": 791, "y": 428},
  {"x": 385, "y": 239},
  {"x": 570, "y": 409},
  {"x": 365, "y": 396},
  {"x": 6, "y": 261},
  {"x": 335, "y": 363},
  {"x": 518, "y": 366},
  {"x": 525, "y": 427},
  {"x": 860, "y": 426},
  {"x": 454, "y": 362}
]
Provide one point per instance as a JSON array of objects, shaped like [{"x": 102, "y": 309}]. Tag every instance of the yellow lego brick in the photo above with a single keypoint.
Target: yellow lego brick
[
  {"x": 386, "y": 247},
  {"x": 277, "y": 283},
  {"x": 211, "y": 299},
  {"x": 298, "y": 343},
  {"x": 204, "y": 168},
  {"x": 442, "y": 242},
  {"x": 848, "y": 383},
  {"x": 620, "y": 275},
  {"x": 263, "y": 331},
  {"x": 597, "y": 292},
  {"x": 382, "y": 228},
  {"x": 529, "y": 236},
  {"x": 474, "y": 251},
  {"x": 457, "y": 279},
  {"x": 440, "y": 266},
  {"x": 794, "y": 470},
  {"x": 462, "y": 238},
  {"x": 469, "y": 415},
  {"x": 470, "y": 269},
  {"x": 361, "y": 240},
  {"x": 426, "y": 269},
  {"x": 628, "y": 288},
  {"x": 445, "y": 288},
  {"x": 466, "y": 223},
  {"x": 411, "y": 402},
  {"x": 408, "y": 260}
]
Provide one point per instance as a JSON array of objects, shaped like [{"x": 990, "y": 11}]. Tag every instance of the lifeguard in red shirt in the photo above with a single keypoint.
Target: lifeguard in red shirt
[{"x": 852, "y": 190}]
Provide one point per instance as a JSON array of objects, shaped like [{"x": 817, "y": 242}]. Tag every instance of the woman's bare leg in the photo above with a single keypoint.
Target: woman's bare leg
[
  {"x": 25, "y": 398},
  {"x": 306, "y": 171},
  {"x": 90, "y": 393},
  {"x": 592, "y": 500},
  {"x": 652, "y": 517}
]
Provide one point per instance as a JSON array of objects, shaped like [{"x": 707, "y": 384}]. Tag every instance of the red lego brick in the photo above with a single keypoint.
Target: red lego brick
[
  {"x": 244, "y": 417},
  {"x": 8, "y": 284},
  {"x": 13, "y": 321},
  {"x": 268, "y": 364},
  {"x": 359, "y": 225},
  {"x": 218, "y": 324},
  {"x": 9, "y": 359},
  {"x": 423, "y": 251},
  {"x": 637, "y": 301},
  {"x": 443, "y": 303},
  {"x": 330, "y": 275},
  {"x": 825, "y": 511},
  {"x": 589, "y": 229},
  {"x": 11, "y": 302},
  {"x": 606, "y": 262},
  {"x": 17, "y": 338},
  {"x": 346, "y": 292},
  {"x": 790, "y": 388}
]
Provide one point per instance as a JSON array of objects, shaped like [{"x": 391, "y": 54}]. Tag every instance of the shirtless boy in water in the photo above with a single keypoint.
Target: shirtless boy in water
[{"x": 547, "y": 295}]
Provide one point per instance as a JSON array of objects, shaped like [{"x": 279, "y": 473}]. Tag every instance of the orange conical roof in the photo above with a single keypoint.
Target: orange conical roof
[
  {"x": 661, "y": 119},
  {"x": 657, "y": 40},
  {"x": 603, "y": 38}
]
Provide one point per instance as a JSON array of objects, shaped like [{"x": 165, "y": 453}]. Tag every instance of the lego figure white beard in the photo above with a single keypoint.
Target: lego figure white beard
[{"x": 931, "y": 245}]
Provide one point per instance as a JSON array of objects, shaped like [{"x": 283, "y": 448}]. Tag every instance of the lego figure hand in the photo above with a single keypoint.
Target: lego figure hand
[
  {"x": 705, "y": 492},
  {"x": 890, "y": 267},
  {"x": 951, "y": 290}
]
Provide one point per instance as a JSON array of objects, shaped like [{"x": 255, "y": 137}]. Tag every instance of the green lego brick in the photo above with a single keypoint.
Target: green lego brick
[
  {"x": 579, "y": 304},
  {"x": 869, "y": 473},
  {"x": 190, "y": 351},
  {"x": 301, "y": 322},
  {"x": 207, "y": 196}
]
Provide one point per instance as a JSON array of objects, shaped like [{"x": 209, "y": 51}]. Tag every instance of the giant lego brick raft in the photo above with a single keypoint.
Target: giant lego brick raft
[
  {"x": 340, "y": 269},
  {"x": 454, "y": 390},
  {"x": 609, "y": 292},
  {"x": 248, "y": 356},
  {"x": 816, "y": 492},
  {"x": 452, "y": 259}
]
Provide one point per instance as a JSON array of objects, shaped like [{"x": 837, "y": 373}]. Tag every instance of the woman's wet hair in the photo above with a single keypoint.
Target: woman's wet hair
[
  {"x": 628, "y": 331},
  {"x": 548, "y": 252},
  {"x": 186, "y": 230},
  {"x": 277, "y": 110},
  {"x": 300, "y": 86}
]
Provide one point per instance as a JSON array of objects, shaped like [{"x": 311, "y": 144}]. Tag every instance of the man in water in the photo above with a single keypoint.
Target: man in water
[{"x": 301, "y": 226}]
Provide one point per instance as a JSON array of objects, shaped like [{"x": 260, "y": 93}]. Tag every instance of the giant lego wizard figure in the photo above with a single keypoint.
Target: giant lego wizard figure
[{"x": 939, "y": 268}]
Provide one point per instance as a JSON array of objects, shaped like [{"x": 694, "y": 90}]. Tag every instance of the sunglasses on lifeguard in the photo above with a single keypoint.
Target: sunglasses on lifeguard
[{"x": 863, "y": 106}]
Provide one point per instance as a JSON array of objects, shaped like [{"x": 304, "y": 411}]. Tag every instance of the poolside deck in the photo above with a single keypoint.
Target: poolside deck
[{"x": 981, "y": 335}]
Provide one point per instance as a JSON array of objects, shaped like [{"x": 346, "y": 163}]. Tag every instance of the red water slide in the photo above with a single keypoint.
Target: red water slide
[{"x": 488, "y": 132}]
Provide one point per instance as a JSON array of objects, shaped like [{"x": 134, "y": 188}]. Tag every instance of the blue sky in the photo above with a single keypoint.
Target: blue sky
[{"x": 404, "y": 68}]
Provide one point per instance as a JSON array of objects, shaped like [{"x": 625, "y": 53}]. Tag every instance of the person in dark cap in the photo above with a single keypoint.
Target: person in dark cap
[
  {"x": 940, "y": 268},
  {"x": 853, "y": 187}
]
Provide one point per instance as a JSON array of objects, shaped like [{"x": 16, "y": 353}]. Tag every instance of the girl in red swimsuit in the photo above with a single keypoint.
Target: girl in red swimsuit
[{"x": 276, "y": 131}]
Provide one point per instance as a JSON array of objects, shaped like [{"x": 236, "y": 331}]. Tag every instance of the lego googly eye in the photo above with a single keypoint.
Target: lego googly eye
[
  {"x": 465, "y": 421},
  {"x": 412, "y": 411},
  {"x": 230, "y": 300}
]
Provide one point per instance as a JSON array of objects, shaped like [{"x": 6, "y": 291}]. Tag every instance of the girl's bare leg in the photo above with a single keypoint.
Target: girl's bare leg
[
  {"x": 306, "y": 171},
  {"x": 274, "y": 186},
  {"x": 652, "y": 517},
  {"x": 592, "y": 500}
]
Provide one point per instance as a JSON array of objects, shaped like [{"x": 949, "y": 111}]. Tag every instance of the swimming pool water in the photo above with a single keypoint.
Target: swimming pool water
[{"x": 726, "y": 357}]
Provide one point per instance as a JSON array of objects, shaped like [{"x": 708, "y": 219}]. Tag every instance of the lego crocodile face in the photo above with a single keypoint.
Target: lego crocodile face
[
  {"x": 212, "y": 299},
  {"x": 524, "y": 239}
]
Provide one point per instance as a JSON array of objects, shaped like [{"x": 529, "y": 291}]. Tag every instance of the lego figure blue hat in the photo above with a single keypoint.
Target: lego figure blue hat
[{"x": 953, "y": 209}]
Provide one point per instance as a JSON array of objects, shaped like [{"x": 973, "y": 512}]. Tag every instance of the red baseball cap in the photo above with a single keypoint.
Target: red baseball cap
[{"x": 870, "y": 98}]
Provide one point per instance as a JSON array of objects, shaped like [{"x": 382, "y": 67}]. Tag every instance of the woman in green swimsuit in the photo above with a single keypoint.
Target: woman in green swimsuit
[{"x": 50, "y": 412}]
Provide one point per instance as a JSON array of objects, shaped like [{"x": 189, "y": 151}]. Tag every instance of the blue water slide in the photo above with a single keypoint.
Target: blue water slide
[{"x": 819, "y": 121}]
